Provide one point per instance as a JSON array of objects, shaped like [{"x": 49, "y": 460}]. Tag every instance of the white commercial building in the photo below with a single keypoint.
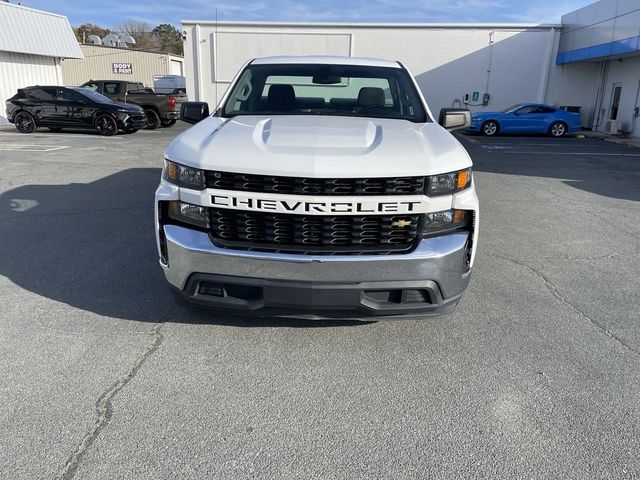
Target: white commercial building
[
  {"x": 591, "y": 60},
  {"x": 32, "y": 45},
  {"x": 599, "y": 58},
  {"x": 451, "y": 62}
]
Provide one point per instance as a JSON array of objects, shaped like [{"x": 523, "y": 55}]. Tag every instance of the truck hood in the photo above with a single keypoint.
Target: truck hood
[{"x": 319, "y": 146}]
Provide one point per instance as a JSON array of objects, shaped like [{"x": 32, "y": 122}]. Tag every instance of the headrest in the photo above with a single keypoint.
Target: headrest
[
  {"x": 369, "y": 96},
  {"x": 281, "y": 97}
]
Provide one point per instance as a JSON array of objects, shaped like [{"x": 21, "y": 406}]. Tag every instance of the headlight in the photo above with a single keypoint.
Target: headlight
[
  {"x": 445, "y": 221},
  {"x": 188, "y": 213},
  {"x": 449, "y": 183},
  {"x": 182, "y": 176}
]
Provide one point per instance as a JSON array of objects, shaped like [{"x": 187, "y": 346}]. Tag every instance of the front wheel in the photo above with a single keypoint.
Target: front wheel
[
  {"x": 557, "y": 129},
  {"x": 168, "y": 123},
  {"x": 489, "y": 128},
  {"x": 106, "y": 125},
  {"x": 24, "y": 122},
  {"x": 153, "y": 119}
]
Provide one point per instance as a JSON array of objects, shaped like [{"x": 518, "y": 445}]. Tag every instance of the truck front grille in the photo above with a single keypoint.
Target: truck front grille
[
  {"x": 311, "y": 234},
  {"x": 315, "y": 186}
]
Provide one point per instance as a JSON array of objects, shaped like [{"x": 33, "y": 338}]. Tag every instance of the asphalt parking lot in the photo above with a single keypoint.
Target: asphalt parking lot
[{"x": 537, "y": 374}]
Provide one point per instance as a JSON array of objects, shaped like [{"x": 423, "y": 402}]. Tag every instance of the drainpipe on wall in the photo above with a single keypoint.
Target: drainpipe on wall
[
  {"x": 490, "y": 65},
  {"x": 197, "y": 66}
]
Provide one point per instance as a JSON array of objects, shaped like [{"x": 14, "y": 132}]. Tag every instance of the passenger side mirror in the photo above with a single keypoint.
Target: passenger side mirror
[
  {"x": 455, "y": 118},
  {"x": 193, "y": 112}
]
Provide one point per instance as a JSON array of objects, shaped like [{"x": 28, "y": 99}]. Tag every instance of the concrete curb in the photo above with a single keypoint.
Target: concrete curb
[{"x": 630, "y": 142}]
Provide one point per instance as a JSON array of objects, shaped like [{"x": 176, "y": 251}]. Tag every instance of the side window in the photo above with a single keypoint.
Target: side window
[
  {"x": 135, "y": 87},
  {"x": 95, "y": 86},
  {"x": 544, "y": 110},
  {"x": 43, "y": 94},
  {"x": 67, "y": 95},
  {"x": 525, "y": 110},
  {"x": 111, "y": 88}
]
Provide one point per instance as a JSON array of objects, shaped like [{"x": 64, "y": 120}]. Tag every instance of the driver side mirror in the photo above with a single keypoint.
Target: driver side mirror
[
  {"x": 193, "y": 112},
  {"x": 455, "y": 118}
]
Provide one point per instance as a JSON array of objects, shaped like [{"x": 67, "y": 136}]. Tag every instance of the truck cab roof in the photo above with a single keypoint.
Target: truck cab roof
[{"x": 325, "y": 59}]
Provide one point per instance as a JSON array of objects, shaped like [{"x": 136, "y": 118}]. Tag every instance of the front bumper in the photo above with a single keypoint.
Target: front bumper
[
  {"x": 428, "y": 281},
  {"x": 132, "y": 121}
]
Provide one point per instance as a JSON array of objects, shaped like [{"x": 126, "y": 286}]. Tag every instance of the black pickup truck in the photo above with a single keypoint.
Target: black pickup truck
[{"x": 161, "y": 110}]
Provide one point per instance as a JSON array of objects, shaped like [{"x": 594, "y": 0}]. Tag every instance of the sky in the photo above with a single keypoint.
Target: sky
[{"x": 110, "y": 13}]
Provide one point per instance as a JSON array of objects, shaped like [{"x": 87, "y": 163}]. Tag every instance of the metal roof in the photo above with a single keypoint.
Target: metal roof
[
  {"x": 418, "y": 25},
  {"x": 325, "y": 59},
  {"x": 25, "y": 30}
]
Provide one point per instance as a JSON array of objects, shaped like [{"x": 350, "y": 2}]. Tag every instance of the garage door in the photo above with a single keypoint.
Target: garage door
[
  {"x": 18, "y": 70},
  {"x": 176, "y": 68},
  {"x": 236, "y": 48}
]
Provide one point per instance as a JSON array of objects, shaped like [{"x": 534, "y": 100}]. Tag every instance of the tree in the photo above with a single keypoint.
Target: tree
[
  {"x": 141, "y": 32},
  {"x": 168, "y": 38},
  {"x": 86, "y": 29}
]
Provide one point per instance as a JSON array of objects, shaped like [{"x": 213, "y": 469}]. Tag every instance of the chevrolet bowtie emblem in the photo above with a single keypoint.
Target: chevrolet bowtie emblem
[{"x": 401, "y": 223}]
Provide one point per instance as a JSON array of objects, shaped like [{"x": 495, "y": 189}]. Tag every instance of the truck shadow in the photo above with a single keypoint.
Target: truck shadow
[{"x": 92, "y": 246}]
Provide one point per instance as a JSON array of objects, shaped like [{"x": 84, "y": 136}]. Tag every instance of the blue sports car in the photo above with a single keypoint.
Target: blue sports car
[{"x": 526, "y": 118}]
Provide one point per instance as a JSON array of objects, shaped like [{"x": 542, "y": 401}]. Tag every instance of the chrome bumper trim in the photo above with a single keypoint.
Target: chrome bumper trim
[{"x": 439, "y": 259}]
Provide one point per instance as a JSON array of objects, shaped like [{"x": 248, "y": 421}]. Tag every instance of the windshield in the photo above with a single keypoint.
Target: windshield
[
  {"x": 92, "y": 94},
  {"x": 339, "y": 90},
  {"x": 512, "y": 108}
]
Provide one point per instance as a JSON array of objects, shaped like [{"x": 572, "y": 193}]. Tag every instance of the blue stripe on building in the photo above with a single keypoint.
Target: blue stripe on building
[{"x": 619, "y": 47}]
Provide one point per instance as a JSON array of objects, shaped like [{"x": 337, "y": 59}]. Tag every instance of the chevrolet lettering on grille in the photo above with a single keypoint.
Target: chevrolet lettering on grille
[{"x": 307, "y": 205}]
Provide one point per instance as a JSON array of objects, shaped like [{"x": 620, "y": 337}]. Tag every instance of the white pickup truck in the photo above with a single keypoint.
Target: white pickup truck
[{"x": 320, "y": 188}]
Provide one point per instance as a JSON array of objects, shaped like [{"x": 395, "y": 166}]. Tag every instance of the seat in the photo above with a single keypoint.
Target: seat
[
  {"x": 281, "y": 98},
  {"x": 371, "y": 97}
]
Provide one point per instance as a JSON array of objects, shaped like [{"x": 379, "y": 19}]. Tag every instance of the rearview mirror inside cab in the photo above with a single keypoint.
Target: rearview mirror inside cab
[
  {"x": 455, "y": 118},
  {"x": 193, "y": 112}
]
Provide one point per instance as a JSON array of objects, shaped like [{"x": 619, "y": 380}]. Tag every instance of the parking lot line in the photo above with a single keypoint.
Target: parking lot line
[
  {"x": 32, "y": 148},
  {"x": 602, "y": 154},
  {"x": 59, "y": 135},
  {"x": 555, "y": 144}
]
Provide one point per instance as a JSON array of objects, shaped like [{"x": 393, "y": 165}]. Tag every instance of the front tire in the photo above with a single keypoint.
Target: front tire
[
  {"x": 490, "y": 128},
  {"x": 153, "y": 119},
  {"x": 106, "y": 125},
  {"x": 557, "y": 129},
  {"x": 24, "y": 122}
]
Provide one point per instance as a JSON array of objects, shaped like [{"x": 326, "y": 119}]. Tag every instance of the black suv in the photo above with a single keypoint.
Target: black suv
[{"x": 62, "y": 107}]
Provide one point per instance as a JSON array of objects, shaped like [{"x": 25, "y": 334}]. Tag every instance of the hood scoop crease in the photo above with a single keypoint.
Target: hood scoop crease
[{"x": 291, "y": 135}]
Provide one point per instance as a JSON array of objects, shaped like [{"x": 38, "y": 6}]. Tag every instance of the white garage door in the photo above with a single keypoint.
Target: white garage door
[
  {"x": 176, "y": 67},
  {"x": 19, "y": 70},
  {"x": 236, "y": 48}
]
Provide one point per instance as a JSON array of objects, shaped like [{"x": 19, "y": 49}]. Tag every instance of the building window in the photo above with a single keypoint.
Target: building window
[{"x": 615, "y": 101}]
